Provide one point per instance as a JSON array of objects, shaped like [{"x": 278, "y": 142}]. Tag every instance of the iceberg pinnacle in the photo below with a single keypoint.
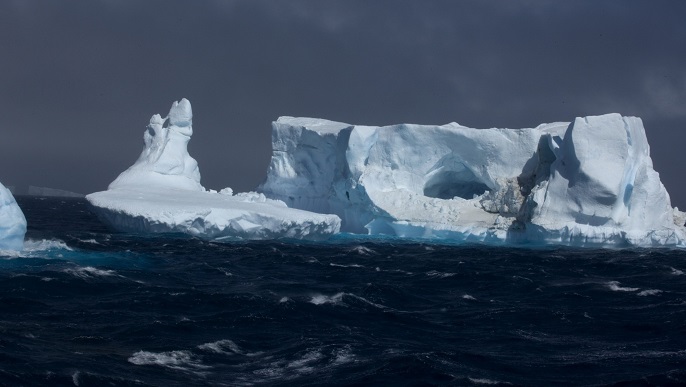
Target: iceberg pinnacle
[
  {"x": 161, "y": 193},
  {"x": 586, "y": 183},
  {"x": 165, "y": 161},
  {"x": 12, "y": 222}
]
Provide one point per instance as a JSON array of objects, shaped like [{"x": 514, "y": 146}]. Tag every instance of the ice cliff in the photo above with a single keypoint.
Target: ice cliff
[
  {"x": 586, "y": 183},
  {"x": 12, "y": 222},
  {"x": 161, "y": 193}
]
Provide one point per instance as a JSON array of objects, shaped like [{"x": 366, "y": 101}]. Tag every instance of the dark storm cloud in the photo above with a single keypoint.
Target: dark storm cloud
[{"x": 80, "y": 79}]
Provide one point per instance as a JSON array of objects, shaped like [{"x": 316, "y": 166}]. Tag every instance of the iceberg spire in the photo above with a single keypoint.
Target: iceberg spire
[{"x": 165, "y": 160}]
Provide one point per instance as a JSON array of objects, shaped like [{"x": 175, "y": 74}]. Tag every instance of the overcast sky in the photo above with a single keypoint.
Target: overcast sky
[{"x": 79, "y": 80}]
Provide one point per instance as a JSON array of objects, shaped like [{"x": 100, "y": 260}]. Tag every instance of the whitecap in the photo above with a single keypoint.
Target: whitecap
[
  {"x": 91, "y": 241},
  {"x": 362, "y": 250},
  {"x": 31, "y": 245},
  {"x": 178, "y": 360},
  {"x": 320, "y": 299},
  {"x": 284, "y": 300},
  {"x": 10, "y": 254},
  {"x": 318, "y": 359},
  {"x": 351, "y": 265},
  {"x": 676, "y": 271},
  {"x": 650, "y": 292},
  {"x": 337, "y": 298},
  {"x": 438, "y": 274},
  {"x": 87, "y": 272},
  {"x": 225, "y": 347},
  {"x": 302, "y": 364},
  {"x": 343, "y": 356},
  {"x": 614, "y": 286},
  {"x": 485, "y": 381},
  {"x": 468, "y": 297}
]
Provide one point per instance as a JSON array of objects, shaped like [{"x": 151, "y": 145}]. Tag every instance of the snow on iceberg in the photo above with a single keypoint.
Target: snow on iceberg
[
  {"x": 586, "y": 183},
  {"x": 12, "y": 222},
  {"x": 161, "y": 192}
]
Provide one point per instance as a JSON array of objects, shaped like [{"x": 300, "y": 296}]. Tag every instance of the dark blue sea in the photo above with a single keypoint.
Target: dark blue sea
[{"x": 86, "y": 306}]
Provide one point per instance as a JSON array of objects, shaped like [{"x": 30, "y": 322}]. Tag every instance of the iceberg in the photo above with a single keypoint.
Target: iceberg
[
  {"x": 161, "y": 193},
  {"x": 52, "y": 192},
  {"x": 12, "y": 222},
  {"x": 590, "y": 182}
]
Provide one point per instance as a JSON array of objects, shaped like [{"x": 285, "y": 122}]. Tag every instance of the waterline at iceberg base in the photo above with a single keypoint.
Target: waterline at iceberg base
[{"x": 590, "y": 182}]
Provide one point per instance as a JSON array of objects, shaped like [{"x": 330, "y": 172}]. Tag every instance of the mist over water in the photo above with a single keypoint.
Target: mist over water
[{"x": 83, "y": 305}]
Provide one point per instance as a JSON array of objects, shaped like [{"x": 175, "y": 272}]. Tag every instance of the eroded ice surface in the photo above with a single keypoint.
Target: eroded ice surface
[
  {"x": 12, "y": 222},
  {"x": 586, "y": 183},
  {"x": 161, "y": 192}
]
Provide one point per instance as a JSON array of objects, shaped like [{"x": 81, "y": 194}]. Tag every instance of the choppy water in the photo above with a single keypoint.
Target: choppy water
[{"x": 86, "y": 306}]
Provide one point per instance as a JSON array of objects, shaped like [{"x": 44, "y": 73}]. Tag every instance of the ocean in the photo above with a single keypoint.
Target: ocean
[{"x": 86, "y": 306}]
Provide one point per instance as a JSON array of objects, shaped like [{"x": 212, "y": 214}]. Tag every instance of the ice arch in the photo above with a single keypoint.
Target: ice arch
[{"x": 449, "y": 183}]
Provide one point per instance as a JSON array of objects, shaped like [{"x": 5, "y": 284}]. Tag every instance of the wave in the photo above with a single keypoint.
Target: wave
[
  {"x": 32, "y": 246},
  {"x": 313, "y": 360},
  {"x": 350, "y": 265},
  {"x": 438, "y": 274},
  {"x": 302, "y": 364},
  {"x": 337, "y": 299},
  {"x": 614, "y": 286},
  {"x": 361, "y": 250},
  {"x": 321, "y": 299},
  {"x": 88, "y": 272},
  {"x": 485, "y": 381},
  {"x": 177, "y": 360},
  {"x": 650, "y": 292},
  {"x": 35, "y": 248},
  {"x": 91, "y": 241},
  {"x": 224, "y": 347}
]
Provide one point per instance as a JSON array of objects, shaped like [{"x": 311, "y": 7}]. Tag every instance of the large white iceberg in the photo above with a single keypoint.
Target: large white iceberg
[
  {"x": 586, "y": 183},
  {"x": 161, "y": 193},
  {"x": 12, "y": 222}
]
